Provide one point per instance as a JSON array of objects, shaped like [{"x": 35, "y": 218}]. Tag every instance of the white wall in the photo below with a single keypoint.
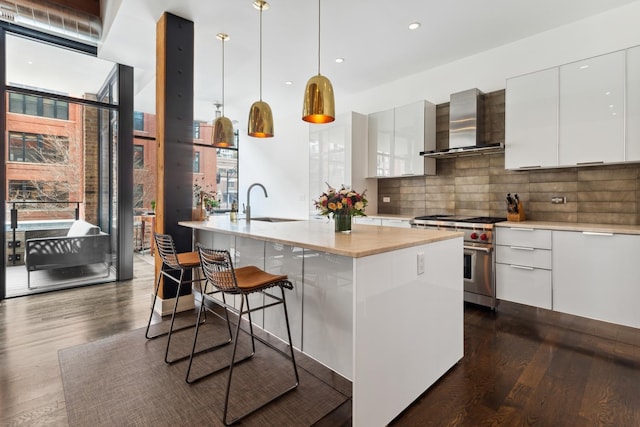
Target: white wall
[{"x": 281, "y": 164}]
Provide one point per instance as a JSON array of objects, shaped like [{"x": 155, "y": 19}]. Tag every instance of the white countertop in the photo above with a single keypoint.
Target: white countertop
[
  {"x": 573, "y": 226},
  {"x": 364, "y": 240}
]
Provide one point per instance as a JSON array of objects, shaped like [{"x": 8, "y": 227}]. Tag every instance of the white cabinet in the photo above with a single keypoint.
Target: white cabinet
[
  {"x": 632, "y": 142},
  {"x": 338, "y": 156},
  {"x": 523, "y": 266},
  {"x": 592, "y": 98},
  {"x": 367, "y": 220},
  {"x": 393, "y": 222},
  {"x": 285, "y": 259},
  {"x": 531, "y": 120},
  {"x": 595, "y": 276},
  {"x": 396, "y": 138},
  {"x": 575, "y": 114},
  {"x": 382, "y": 220}
]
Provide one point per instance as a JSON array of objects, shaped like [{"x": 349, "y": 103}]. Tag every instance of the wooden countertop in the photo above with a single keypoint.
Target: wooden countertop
[
  {"x": 573, "y": 226},
  {"x": 319, "y": 235}
]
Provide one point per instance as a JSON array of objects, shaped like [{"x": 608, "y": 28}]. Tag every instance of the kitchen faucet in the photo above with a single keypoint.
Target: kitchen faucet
[{"x": 247, "y": 210}]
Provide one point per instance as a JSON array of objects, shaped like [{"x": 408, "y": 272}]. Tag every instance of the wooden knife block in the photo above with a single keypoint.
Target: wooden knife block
[{"x": 519, "y": 216}]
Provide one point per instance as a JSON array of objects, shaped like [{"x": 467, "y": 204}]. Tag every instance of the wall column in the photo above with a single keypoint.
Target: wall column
[{"x": 174, "y": 115}]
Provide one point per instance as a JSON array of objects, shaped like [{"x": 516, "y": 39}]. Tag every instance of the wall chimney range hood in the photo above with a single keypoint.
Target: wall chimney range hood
[{"x": 465, "y": 121}]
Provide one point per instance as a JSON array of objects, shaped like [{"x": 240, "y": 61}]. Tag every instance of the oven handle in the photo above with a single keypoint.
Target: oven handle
[{"x": 479, "y": 249}]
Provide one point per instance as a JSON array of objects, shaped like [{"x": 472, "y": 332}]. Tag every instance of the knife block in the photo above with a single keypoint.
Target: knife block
[{"x": 515, "y": 216}]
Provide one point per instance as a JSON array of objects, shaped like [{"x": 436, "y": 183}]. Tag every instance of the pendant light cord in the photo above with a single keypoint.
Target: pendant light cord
[
  {"x": 223, "y": 39},
  {"x": 261, "y": 8},
  {"x": 318, "y": 37}
]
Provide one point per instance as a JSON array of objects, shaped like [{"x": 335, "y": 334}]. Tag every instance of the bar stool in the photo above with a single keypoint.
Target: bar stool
[
  {"x": 173, "y": 262},
  {"x": 219, "y": 272}
]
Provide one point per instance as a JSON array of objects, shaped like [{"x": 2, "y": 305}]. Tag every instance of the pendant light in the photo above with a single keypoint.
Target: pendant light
[
  {"x": 222, "y": 126},
  {"x": 318, "y": 104},
  {"x": 260, "y": 116}
]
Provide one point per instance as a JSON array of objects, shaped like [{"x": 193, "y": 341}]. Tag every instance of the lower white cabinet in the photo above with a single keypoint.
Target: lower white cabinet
[
  {"x": 594, "y": 275},
  {"x": 387, "y": 222},
  {"x": 523, "y": 266},
  {"x": 525, "y": 285},
  {"x": 402, "y": 223},
  {"x": 367, "y": 220}
]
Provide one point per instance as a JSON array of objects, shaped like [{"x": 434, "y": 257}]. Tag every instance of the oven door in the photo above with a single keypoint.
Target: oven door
[{"x": 478, "y": 269}]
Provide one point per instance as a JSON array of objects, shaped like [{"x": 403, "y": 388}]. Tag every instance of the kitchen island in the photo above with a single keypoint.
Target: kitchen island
[{"x": 381, "y": 306}]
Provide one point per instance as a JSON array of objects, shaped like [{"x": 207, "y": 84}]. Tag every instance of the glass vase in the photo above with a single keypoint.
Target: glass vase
[{"x": 342, "y": 223}]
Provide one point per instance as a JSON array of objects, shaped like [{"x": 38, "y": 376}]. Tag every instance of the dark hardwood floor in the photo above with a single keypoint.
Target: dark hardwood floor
[{"x": 522, "y": 366}]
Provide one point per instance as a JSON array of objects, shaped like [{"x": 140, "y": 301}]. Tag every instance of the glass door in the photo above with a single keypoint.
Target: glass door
[{"x": 60, "y": 204}]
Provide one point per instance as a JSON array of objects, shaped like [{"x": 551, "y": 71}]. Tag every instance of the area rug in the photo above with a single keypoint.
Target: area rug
[{"x": 123, "y": 381}]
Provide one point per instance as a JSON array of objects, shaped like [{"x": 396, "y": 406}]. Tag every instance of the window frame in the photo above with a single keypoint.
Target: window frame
[{"x": 20, "y": 106}]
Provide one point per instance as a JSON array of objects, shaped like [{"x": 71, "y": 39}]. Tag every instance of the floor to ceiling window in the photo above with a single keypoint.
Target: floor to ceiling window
[{"x": 61, "y": 176}]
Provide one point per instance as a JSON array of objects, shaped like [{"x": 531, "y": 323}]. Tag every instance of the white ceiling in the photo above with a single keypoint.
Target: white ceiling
[{"x": 371, "y": 36}]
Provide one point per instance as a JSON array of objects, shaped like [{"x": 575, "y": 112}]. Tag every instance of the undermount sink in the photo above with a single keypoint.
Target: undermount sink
[{"x": 273, "y": 219}]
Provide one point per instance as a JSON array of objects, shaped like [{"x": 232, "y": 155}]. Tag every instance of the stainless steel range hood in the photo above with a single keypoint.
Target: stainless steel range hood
[{"x": 465, "y": 121}]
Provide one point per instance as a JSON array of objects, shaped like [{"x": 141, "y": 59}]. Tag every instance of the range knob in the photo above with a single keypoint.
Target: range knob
[
  {"x": 474, "y": 235},
  {"x": 484, "y": 237}
]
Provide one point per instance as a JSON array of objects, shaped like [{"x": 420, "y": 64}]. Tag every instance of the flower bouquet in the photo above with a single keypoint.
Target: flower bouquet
[{"x": 342, "y": 204}]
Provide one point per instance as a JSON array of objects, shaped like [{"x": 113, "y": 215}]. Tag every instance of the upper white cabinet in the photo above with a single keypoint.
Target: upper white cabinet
[
  {"x": 632, "y": 145},
  {"x": 531, "y": 120},
  {"x": 338, "y": 156},
  {"x": 396, "y": 138},
  {"x": 575, "y": 114},
  {"x": 592, "y": 96}
]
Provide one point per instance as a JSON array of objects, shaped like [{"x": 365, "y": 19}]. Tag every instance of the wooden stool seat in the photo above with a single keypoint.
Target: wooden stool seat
[{"x": 188, "y": 259}]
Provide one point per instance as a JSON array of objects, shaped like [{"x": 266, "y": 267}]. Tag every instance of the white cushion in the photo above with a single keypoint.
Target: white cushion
[{"x": 83, "y": 228}]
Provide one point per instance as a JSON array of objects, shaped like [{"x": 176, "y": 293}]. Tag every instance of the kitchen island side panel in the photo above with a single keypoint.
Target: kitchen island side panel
[{"x": 408, "y": 327}]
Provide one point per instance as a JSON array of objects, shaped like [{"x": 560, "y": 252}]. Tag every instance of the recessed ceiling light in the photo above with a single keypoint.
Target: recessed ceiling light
[
  {"x": 584, "y": 67},
  {"x": 414, "y": 25},
  {"x": 288, "y": 82},
  {"x": 339, "y": 60}
]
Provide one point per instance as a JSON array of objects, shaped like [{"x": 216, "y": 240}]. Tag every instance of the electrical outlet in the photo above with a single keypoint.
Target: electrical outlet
[
  {"x": 386, "y": 200},
  {"x": 421, "y": 263}
]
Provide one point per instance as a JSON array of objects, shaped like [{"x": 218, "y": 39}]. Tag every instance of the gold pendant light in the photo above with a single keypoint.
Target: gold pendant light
[
  {"x": 319, "y": 106},
  {"x": 260, "y": 116},
  {"x": 222, "y": 126}
]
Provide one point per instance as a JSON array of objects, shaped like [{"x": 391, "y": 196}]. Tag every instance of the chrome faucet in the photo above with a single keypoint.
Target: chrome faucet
[{"x": 247, "y": 210}]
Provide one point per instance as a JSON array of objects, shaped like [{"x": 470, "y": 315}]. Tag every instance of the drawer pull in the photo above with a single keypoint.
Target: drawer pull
[
  {"x": 521, "y": 267},
  {"x": 521, "y": 229},
  {"x": 593, "y": 233},
  {"x": 522, "y": 248}
]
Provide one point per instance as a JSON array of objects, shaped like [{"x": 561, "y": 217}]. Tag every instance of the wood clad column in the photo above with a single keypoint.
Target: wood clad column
[{"x": 174, "y": 115}]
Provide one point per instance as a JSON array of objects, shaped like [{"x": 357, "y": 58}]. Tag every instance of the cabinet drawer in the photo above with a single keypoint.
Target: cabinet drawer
[
  {"x": 525, "y": 256},
  {"x": 402, "y": 223},
  {"x": 522, "y": 236},
  {"x": 524, "y": 285},
  {"x": 367, "y": 220}
]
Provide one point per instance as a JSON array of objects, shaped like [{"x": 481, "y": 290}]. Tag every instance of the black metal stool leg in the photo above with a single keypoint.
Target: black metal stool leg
[
  {"x": 233, "y": 356},
  {"x": 153, "y": 305},
  {"x": 286, "y": 319},
  {"x": 173, "y": 318}
]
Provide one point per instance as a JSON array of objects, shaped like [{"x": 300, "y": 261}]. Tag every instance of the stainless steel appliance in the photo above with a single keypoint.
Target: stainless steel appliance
[
  {"x": 466, "y": 117},
  {"x": 479, "y": 255}
]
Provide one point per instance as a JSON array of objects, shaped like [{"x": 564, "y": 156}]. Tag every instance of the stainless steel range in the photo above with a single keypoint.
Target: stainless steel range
[{"x": 479, "y": 260}]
